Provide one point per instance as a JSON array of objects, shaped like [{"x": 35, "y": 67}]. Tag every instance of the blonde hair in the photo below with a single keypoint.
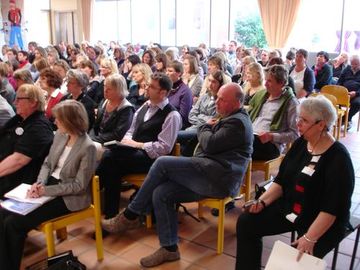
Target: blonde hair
[
  {"x": 72, "y": 115},
  {"x": 34, "y": 93},
  {"x": 145, "y": 70},
  {"x": 118, "y": 82},
  {"x": 256, "y": 68},
  {"x": 110, "y": 64}
]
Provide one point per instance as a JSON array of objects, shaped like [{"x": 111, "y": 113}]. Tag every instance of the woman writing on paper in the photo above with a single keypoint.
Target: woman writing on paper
[
  {"x": 65, "y": 175},
  {"x": 311, "y": 193}
]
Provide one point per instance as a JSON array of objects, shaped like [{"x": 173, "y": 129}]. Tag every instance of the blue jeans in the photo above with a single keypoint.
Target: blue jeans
[
  {"x": 171, "y": 180},
  {"x": 15, "y": 32}
]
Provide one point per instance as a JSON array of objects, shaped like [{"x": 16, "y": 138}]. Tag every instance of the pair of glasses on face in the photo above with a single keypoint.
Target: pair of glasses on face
[{"x": 305, "y": 121}]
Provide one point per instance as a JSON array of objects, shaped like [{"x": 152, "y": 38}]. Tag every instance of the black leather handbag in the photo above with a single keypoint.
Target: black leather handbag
[{"x": 62, "y": 261}]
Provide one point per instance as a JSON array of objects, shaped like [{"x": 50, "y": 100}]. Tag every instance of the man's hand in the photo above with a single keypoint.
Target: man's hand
[
  {"x": 265, "y": 137},
  {"x": 132, "y": 143}
]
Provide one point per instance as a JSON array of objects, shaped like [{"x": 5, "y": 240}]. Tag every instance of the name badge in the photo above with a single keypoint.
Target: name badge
[
  {"x": 315, "y": 159},
  {"x": 291, "y": 217},
  {"x": 307, "y": 170}
]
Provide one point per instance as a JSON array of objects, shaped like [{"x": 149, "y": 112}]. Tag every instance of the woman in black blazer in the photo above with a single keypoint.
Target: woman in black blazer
[{"x": 115, "y": 112}]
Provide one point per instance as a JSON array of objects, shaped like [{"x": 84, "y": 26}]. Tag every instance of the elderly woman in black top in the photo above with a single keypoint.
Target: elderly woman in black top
[
  {"x": 311, "y": 193},
  {"x": 115, "y": 112},
  {"x": 77, "y": 82}
]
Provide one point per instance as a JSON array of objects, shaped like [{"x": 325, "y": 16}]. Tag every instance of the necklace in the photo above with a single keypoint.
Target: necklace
[{"x": 311, "y": 150}]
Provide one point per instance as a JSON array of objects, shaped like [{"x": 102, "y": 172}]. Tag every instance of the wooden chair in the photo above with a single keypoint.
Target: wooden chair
[
  {"x": 137, "y": 179},
  {"x": 59, "y": 224},
  {"x": 220, "y": 205},
  {"x": 340, "y": 113},
  {"x": 343, "y": 100},
  {"x": 267, "y": 165}
]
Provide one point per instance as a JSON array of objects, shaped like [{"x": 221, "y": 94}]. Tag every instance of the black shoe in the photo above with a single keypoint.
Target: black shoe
[{"x": 228, "y": 207}]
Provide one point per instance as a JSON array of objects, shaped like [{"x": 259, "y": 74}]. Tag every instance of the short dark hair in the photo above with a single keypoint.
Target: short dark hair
[
  {"x": 134, "y": 59},
  {"x": 24, "y": 53},
  {"x": 323, "y": 53},
  {"x": 290, "y": 55},
  {"x": 303, "y": 52},
  {"x": 165, "y": 82}
]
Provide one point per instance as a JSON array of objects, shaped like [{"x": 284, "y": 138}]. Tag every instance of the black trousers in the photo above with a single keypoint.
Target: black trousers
[
  {"x": 264, "y": 151},
  {"x": 250, "y": 229},
  {"x": 14, "y": 229},
  {"x": 114, "y": 164}
]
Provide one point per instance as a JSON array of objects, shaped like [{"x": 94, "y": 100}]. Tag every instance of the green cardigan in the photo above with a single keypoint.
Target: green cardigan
[{"x": 260, "y": 98}]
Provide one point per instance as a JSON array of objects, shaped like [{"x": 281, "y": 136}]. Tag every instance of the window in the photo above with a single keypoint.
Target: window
[
  {"x": 36, "y": 19},
  {"x": 167, "y": 23},
  {"x": 145, "y": 21},
  {"x": 351, "y": 32},
  {"x": 318, "y": 26},
  {"x": 192, "y": 22},
  {"x": 219, "y": 23},
  {"x": 106, "y": 24},
  {"x": 245, "y": 23}
]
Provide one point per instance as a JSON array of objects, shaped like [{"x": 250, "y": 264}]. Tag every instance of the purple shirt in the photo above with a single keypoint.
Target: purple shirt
[{"x": 181, "y": 98}]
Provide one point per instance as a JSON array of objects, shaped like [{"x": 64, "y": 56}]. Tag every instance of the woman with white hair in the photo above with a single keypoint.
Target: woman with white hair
[
  {"x": 311, "y": 193},
  {"x": 115, "y": 112}
]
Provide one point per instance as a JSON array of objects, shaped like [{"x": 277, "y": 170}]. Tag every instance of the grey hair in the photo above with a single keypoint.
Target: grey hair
[
  {"x": 278, "y": 72},
  {"x": 118, "y": 82},
  {"x": 320, "y": 108},
  {"x": 81, "y": 78}
]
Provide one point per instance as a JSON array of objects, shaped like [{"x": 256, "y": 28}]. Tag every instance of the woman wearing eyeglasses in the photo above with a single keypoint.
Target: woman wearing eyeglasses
[
  {"x": 24, "y": 140},
  {"x": 311, "y": 193},
  {"x": 65, "y": 175}
]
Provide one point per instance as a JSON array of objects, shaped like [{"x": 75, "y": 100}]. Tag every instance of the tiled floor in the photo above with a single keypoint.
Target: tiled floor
[{"x": 198, "y": 240}]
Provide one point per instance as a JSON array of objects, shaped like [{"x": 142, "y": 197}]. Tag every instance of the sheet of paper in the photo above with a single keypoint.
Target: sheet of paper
[
  {"x": 283, "y": 257},
  {"x": 19, "y": 194}
]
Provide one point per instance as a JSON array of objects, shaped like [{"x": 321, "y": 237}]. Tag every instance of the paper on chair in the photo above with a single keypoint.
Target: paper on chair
[{"x": 283, "y": 257}]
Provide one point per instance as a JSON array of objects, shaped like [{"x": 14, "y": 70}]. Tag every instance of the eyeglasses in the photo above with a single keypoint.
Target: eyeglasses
[
  {"x": 20, "y": 98},
  {"x": 305, "y": 121}
]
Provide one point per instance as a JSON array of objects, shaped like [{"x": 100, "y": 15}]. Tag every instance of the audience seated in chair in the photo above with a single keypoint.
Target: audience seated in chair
[
  {"x": 214, "y": 63},
  {"x": 180, "y": 95},
  {"x": 65, "y": 174},
  {"x": 24, "y": 140},
  {"x": 201, "y": 112},
  {"x": 311, "y": 193},
  {"x": 273, "y": 113},
  {"x": 77, "y": 81},
  {"x": 115, "y": 112},
  {"x": 141, "y": 75},
  {"x": 322, "y": 70},
  {"x": 303, "y": 76},
  {"x": 152, "y": 134},
  {"x": 350, "y": 78},
  {"x": 216, "y": 171}
]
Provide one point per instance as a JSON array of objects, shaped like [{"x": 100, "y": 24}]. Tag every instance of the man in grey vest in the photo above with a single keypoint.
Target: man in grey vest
[{"x": 152, "y": 134}]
